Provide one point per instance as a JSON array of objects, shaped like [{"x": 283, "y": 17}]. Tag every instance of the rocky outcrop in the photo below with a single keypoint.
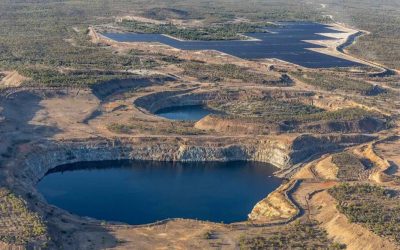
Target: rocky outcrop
[
  {"x": 382, "y": 165},
  {"x": 46, "y": 156},
  {"x": 277, "y": 151},
  {"x": 276, "y": 206},
  {"x": 306, "y": 145}
]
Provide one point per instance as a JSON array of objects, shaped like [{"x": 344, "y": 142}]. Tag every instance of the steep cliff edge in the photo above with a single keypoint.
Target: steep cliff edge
[
  {"x": 281, "y": 151},
  {"x": 276, "y": 206}
]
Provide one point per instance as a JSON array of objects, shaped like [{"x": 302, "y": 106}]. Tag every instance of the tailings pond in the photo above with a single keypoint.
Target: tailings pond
[
  {"x": 139, "y": 192},
  {"x": 287, "y": 41},
  {"x": 185, "y": 113}
]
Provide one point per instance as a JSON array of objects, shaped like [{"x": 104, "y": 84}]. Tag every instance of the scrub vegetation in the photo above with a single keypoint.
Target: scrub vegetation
[
  {"x": 18, "y": 225},
  {"x": 55, "y": 78},
  {"x": 220, "y": 72},
  {"x": 181, "y": 128},
  {"x": 277, "y": 110},
  {"x": 53, "y": 34},
  {"x": 381, "y": 19},
  {"x": 300, "y": 235},
  {"x": 334, "y": 81},
  {"x": 349, "y": 166},
  {"x": 273, "y": 110},
  {"x": 372, "y": 206},
  {"x": 232, "y": 31}
]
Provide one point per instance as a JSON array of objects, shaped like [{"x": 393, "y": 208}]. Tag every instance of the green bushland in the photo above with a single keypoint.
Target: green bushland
[
  {"x": 50, "y": 36},
  {"x": 54, "y": 78},
  {"x": 350, "y": 167},
  {"x": 374, "y": 207},
  {"x": 382, "y": 20},
  {"x": 220, "y": 72},
  {"x": 274, "y": 110},
  {"x": 46, "y": 34},
  {"x": 20, "y": 226},
  {"x": 306, "y": 235},
  {"x": 227, "y": 31},
  {"x": 345, "y": 114}
]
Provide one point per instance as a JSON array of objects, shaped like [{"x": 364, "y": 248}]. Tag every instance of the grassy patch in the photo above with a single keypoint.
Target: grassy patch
[
  {"x": 371, "y": 206},
  {"x": 119, "y": 128}
]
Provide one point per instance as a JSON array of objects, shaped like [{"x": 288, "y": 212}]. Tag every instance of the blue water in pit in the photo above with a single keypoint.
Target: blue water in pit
[
  {"x": 138, "y": 192},
  {"x": 185, "y": 113},
  {"x": 285, "y": 42}
]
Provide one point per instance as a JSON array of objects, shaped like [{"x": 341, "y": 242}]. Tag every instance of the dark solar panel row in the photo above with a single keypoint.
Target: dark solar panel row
[{"x": 285, "y": 42}]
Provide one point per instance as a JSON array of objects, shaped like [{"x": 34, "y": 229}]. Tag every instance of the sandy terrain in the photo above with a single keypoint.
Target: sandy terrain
[{"x": 12, "y": 79}]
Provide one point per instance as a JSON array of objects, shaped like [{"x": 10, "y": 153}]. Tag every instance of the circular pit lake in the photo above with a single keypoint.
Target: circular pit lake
[{"x": 139, "y": 192}]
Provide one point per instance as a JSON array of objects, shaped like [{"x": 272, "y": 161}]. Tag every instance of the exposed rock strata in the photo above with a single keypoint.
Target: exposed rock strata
[
  {"x": 282, "y": 154},
  {"x": 276, "y": 206}
]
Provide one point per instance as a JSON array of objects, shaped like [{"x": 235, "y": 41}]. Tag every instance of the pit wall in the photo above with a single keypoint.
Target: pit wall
[
  {"x": 156, "y": 101},
  {"x": 167, "y": 99},
  {"x": 279, "y": 153},
  {"x": 44, "y": 158}
]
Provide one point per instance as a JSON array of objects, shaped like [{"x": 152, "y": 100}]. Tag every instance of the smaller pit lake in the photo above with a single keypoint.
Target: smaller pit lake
[
  {"x": 185, "y": 113},
  {"x": 139, "y": 192}
]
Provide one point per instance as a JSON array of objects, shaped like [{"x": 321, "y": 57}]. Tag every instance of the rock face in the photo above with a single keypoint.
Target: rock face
[
  {"x": 306, "y": 145},
  {"x": 276, "y": 206},
  {"x": 282, "y": 154},
  {"x": 45, "y": 157},
  {"x": 157, "y": 101},
  {"x": 105, "y": 89}
]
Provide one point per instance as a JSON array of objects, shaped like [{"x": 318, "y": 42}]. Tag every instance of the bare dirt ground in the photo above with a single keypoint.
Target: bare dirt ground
[
  {"x": 11, "y": 79},
  {"x": 340, "y": 38},
  {"x": 390, "y": 150}
]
